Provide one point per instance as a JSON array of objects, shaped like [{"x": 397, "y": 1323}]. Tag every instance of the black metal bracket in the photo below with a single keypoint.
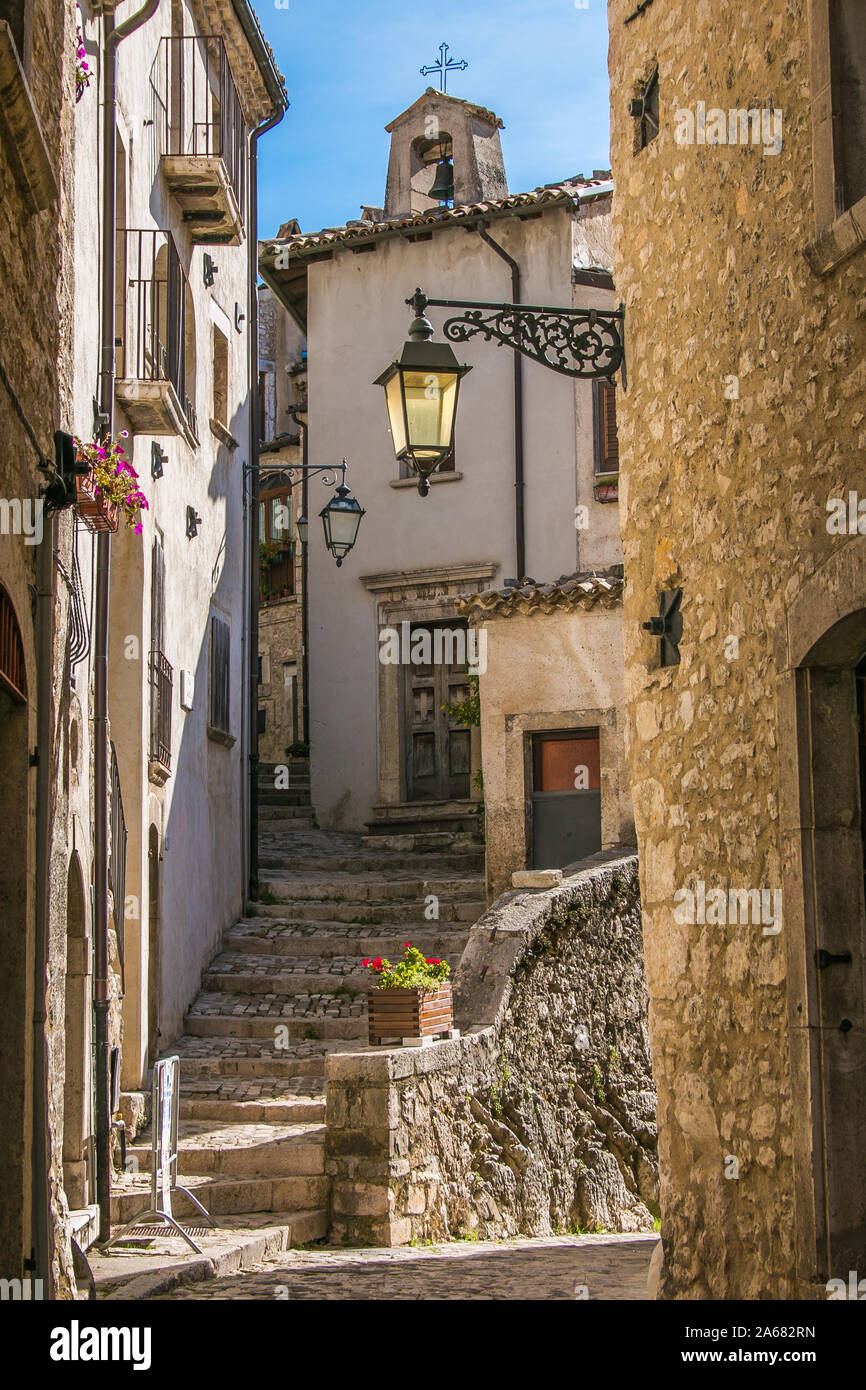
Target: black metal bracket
[
  {"x": 668, "y": 626},
  {"x": 585, "y": 343},
  {"x": 824, "y": 958},
  {"x": 302, "y": 470},
  {"x": 61, "y": 492},
  {"x": 193, "y": 522}
]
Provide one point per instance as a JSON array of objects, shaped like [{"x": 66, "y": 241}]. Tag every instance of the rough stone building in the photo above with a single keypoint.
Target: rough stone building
[
  {"x": 552, "y": 750},
  {"x": 740, "y": 253},
  {"x": 385, "y": 752},
  {"x": 39, "y": 721}
]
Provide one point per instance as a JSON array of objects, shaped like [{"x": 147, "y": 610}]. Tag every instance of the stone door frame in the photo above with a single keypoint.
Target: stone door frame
[
  {"x": 822, "y": 635},
  {"x": 415, "y": 596}
]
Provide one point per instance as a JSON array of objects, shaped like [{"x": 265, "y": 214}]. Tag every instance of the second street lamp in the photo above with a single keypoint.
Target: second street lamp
[
  {"x": 421, "y": 390},
  {"x": 341, "y": 518}
]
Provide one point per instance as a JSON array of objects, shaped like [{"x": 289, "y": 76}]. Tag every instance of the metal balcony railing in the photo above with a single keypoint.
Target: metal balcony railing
[
  {"x": 198, "y": 111},
  {"x": 162, "y": 686},
  {"x": 153, "y": 330}
]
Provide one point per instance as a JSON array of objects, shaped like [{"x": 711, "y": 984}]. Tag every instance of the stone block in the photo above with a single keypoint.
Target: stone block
[{"x": 536, "y": 878}]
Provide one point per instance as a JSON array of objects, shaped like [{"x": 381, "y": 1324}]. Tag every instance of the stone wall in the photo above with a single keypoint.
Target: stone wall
[
  {"x": 541, "y": 1118},
  {"x": 743, "y": 416}
]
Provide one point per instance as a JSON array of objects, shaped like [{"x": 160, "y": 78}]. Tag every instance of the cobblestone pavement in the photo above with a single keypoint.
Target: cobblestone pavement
[{"x": 609, "y": 1267}]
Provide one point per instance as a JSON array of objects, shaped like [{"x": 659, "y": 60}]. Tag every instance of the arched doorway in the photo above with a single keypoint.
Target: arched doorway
[
  {"x": 153, "y": 885},
  {"x": 76, "y": 1084},
  {"x": 16, "y": 939},
  {"x": 823, "y": 798}
]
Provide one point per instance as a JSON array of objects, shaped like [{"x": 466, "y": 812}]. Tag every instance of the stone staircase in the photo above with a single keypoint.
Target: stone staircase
[
  {"x": 287, "y": 989},
  {"x": 287, "y": 808}
]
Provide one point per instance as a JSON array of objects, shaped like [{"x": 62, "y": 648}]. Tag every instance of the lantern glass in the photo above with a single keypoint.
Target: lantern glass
[
  {"x": 303, "y": 526},
  {"x": 430, "y": 401},
  {"x": 394, "y": 402}
]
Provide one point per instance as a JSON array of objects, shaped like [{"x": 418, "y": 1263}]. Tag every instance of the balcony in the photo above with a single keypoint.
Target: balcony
[
  {"x": 202, "y": 137},
  {"x": 161, "y": 695},
  {"x": 155, "y": 337}
]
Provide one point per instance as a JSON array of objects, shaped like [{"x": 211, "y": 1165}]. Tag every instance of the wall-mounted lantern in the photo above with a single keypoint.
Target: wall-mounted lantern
[
  {"x": 421, "y": 389},
  {"x": 210, "y": 270},
  {"x": 158, "y": 460},
  {"x": 341, "y": 518},
  {"x": 193, "y": 522}
]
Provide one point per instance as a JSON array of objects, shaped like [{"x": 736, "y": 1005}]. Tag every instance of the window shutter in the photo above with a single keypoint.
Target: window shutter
[
  {"x": 157, "y": 599},
  {"x": 219, "y": 675},
  {"x": 606, "y": 441}
]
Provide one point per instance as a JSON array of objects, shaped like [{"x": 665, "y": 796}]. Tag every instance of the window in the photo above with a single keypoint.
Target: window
[
  {"x": 604, "y": 428},
  {"x": 848, "y": 89},
  {"x": 645, "y": 110},
  {"x": 220, "y": 654},
  {"x": 277, "y": 569},
  {"x": 219, "y": 409}
]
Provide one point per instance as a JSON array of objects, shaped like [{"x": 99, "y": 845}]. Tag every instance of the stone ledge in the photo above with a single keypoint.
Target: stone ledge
[
  {"x": 843, "y": 238},
  {"x": 22, "y": 134}
]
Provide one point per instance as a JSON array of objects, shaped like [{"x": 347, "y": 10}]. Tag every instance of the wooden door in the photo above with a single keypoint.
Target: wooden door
[
  {"x": 566, "y": 797},
  {"x": 437, "y": 748}
]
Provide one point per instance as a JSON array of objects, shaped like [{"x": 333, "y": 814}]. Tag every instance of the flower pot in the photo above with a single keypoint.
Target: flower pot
[
  {"x": 95, "y": 512},
  {"x": 409, "y": 1014}
]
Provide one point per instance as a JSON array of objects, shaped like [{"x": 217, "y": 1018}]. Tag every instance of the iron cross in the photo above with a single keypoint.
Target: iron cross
[{"x": 444, "y": 66}]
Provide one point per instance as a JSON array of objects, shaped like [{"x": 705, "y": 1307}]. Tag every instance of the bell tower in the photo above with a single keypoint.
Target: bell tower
[{"x": 440, "y": 146}]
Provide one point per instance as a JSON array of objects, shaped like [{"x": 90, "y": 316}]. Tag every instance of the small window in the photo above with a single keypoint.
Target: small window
[
  {"x": 220, "y": 378},
  {"x": 848, "y": 81},
  {"x": 276, "y": 551},
  {"x": 220, "y": 654},
  {"x": 644, "y": 108},
  {"x": 604, "y": 428}
]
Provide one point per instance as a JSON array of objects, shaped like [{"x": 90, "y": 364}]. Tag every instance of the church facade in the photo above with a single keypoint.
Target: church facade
[{"x": 526, "y": 492}]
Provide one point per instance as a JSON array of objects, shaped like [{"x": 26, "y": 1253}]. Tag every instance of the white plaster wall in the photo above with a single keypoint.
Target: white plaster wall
[{"x": 198, "y": 811}]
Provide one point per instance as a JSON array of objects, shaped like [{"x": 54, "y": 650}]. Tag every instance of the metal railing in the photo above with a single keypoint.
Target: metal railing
[
  {"x": 162, "y": 686},
  {"x": 117, "y": 857},
  {"x": 152, "y": 313},
  {"x": 198, "y": 111}
]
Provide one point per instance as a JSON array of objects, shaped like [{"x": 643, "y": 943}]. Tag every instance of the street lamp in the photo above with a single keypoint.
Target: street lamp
[
  {"x": 303, "y": 526},
  {"x": 341, "y": 518},
  {"x": 421, "y": 390}
]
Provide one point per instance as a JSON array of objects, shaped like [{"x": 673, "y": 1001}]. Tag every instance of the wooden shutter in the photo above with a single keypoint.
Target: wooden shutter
[
  {"x": 220, "y": 647},
  {"x": 606, "y": 442},
  {"x": 157, "y": 599}
]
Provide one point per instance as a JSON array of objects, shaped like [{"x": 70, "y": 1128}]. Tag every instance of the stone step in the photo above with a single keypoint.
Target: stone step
[
  {"x": 340, "y": 977},
  {"x": 301, "y": 1063},
  {"x": 265, "y": 936},
  {"x": 468, "y": 863},
  {"x": 369, "y": 914},
  {"x": 301, "y": 1026},
  {"x": 288, "y": 818},
  {"x": 364, "y": 887},
  {"x": 226, "y": 1196},
  {"x": 421, "y": 842},
  {"x": 236, "y": 1150},
  {"x": 195, "y": 1104}
]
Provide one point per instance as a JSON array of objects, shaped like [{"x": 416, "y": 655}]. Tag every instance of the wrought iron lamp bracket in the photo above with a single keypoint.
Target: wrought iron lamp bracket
[
  {"x": 585, "y": 343},
  {"x": 330, "y": 472}
]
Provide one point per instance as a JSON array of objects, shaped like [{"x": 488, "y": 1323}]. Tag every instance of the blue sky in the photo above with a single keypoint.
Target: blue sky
[{"x": 350, "y": 67}]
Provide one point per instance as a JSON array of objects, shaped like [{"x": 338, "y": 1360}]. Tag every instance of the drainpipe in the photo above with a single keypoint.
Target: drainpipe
[
  {"x": 113, "y": 37},
  {"x": 305, "y": 612},
  {"x": 253, "y": 574},
  {"x": 519, "y": 485}
]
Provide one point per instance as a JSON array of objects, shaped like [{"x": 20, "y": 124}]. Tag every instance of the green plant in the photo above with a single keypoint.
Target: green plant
[
  {"x": 414, "y": 971},
  {"x": 266, "y": 896},
  {"x": 598, "y": 1084},
  {"x": 466, "y": 712},
  {"x": 114, "y": 479},
  {"x": 298, "y": 749},
  {"x": 613, "y": 1058},
  {"x": 478, "y": 780}
]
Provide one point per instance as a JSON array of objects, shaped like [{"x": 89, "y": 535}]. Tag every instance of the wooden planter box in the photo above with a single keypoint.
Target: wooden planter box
[
  {"x": 400, "y": 1014},
  {"x": 96, "y": 514}
]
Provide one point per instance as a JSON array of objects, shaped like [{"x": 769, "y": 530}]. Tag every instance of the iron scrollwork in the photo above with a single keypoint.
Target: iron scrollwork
[{"x": 575, "y": 342}]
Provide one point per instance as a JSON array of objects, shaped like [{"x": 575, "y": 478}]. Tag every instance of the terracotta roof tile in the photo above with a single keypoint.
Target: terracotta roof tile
[{"x": 568, "y": 593}]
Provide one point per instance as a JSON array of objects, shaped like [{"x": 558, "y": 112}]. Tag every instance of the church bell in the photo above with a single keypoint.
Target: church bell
[{"x": 443, "y": 184}]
